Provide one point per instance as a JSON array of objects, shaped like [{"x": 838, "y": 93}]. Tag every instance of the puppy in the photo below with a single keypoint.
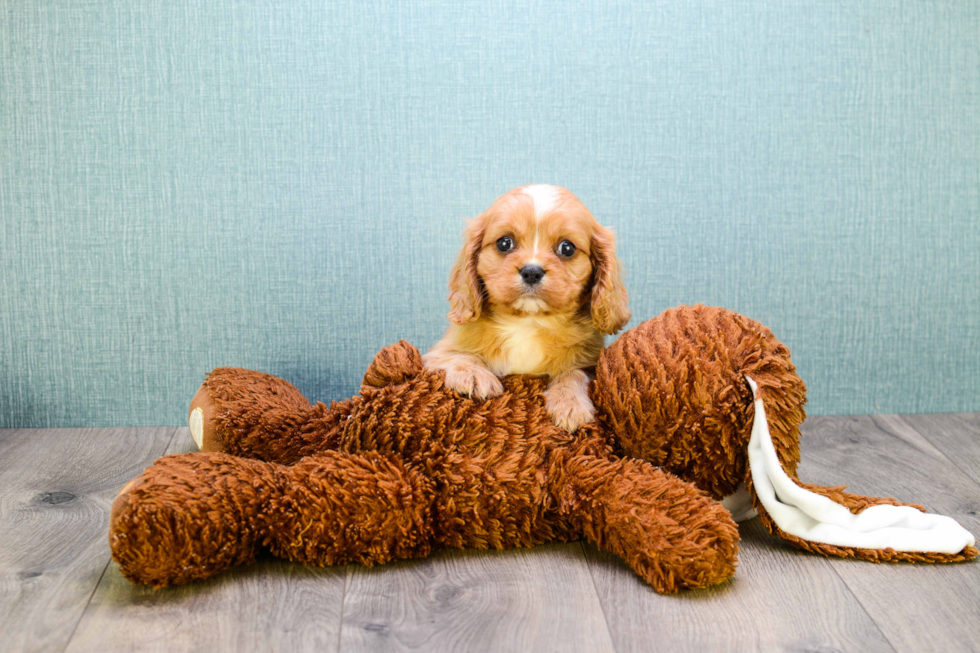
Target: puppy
[{"x": 535, "y": 288}]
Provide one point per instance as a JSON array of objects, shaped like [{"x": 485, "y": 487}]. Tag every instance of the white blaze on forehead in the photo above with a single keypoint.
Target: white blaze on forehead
[{"x": 544, "y": 196}]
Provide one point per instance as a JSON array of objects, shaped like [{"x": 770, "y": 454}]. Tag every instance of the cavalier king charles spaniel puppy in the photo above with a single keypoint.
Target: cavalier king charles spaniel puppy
[{"x": 535, "y": 288}]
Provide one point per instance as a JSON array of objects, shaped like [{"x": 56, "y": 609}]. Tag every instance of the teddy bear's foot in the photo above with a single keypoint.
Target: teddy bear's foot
[
  {"x": 256, "y": 415},
  {"x": 188, "y": 517},
  {"x": 672, "y": 534},
  {"x": 234, "y": 402}
]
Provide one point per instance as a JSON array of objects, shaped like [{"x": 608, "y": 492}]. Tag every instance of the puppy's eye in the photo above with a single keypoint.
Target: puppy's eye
[
  {"x": 505, "y": 244},
  {"x": 566, "y": 249}
]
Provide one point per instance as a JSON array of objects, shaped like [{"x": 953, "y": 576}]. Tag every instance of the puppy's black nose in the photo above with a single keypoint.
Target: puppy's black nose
[{"x": 531, "y": 274}]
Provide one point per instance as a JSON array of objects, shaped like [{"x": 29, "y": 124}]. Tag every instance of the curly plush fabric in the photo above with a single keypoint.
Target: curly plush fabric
[
  {"x": 408, "y": 466},
  {"x": 673, "y": 390}
]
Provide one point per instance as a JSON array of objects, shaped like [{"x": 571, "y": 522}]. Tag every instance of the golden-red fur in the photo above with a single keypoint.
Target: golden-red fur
[{"x": 501, "y": 325}]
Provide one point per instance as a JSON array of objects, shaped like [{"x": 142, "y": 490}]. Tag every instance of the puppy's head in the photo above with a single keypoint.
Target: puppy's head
[{"x": 538, "y": 251}]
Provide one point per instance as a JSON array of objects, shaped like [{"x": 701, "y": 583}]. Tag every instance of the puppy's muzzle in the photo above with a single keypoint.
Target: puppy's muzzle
[{"x": 532, "y": 274}]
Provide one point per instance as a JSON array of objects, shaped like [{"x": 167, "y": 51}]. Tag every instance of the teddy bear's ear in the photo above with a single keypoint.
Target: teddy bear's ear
[{"x": 393, "y": 364}]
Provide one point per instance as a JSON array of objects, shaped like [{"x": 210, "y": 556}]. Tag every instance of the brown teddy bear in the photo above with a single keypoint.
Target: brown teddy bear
[{"x": 409, "y": 466}]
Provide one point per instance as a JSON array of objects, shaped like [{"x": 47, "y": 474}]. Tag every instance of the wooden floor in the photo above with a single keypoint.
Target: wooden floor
[{"x": 60, "y": 591}]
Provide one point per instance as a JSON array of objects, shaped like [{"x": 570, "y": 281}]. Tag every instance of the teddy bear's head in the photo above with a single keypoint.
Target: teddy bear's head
[{"x": 666, "y": 385}]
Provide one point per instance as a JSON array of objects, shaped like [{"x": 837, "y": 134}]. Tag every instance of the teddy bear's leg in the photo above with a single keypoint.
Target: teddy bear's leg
[
  {"x": 190, "y": 516},
  {"x": 672, "y": 534},
  {"x": 256, "y": 415},
  {"x": 338, "y": 508}
]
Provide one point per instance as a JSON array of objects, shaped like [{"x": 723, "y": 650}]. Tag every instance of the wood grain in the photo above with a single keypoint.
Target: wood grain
[
  {"x": 779, "y": 599},
  {"x": 272, "y": 605},
  {"x": 957, "y": 435},
  {"x": 539, "y": 599},
  {"x": 56, "y": 486},
  {"x": 917, "y": 607}
]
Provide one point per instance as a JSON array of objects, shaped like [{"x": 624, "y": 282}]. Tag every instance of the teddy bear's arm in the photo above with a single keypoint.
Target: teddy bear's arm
[
  {"x": 672, "y": 534},
  {"x": 190, "y": 516},
  {"x": 832, "y": 522},
  {"x": 255, "y": 415}
]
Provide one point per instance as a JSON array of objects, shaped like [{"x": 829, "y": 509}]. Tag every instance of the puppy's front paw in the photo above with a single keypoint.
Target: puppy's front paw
[
  {"x": 567, "y": 401},
  {"x": 474, "y": 381}
]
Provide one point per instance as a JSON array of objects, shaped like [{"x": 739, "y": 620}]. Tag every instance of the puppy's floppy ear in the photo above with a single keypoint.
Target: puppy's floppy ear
[
  {"x": 610, "y": 303},
  {"x": 465, "y": 285}
]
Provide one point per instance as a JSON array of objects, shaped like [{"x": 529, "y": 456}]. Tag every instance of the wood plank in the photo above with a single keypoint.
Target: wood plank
[
  {"x": 56, "y": 487},
  {"x": 9, "y": 433},
  {"x": 271, "y": 605},
  {"x": 515, "y": 600},
  {"x": 511, "y": 600},
  {"x": 957, "y": 435},
  {"x": 779, "y": 599},
  {"x": 918, "y": 607}
]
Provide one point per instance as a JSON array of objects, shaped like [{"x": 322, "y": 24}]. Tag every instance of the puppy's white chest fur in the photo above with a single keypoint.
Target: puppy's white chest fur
[{"x": 522, "y": 348}]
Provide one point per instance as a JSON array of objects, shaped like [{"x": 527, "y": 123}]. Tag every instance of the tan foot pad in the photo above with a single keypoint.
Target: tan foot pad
[
  {"x": 196, "y": 421},
  {"x": 199, "y": 419}
]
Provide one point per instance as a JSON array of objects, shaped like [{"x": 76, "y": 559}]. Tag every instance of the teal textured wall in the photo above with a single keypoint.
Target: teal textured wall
[{"x": 187, "y": 184}]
